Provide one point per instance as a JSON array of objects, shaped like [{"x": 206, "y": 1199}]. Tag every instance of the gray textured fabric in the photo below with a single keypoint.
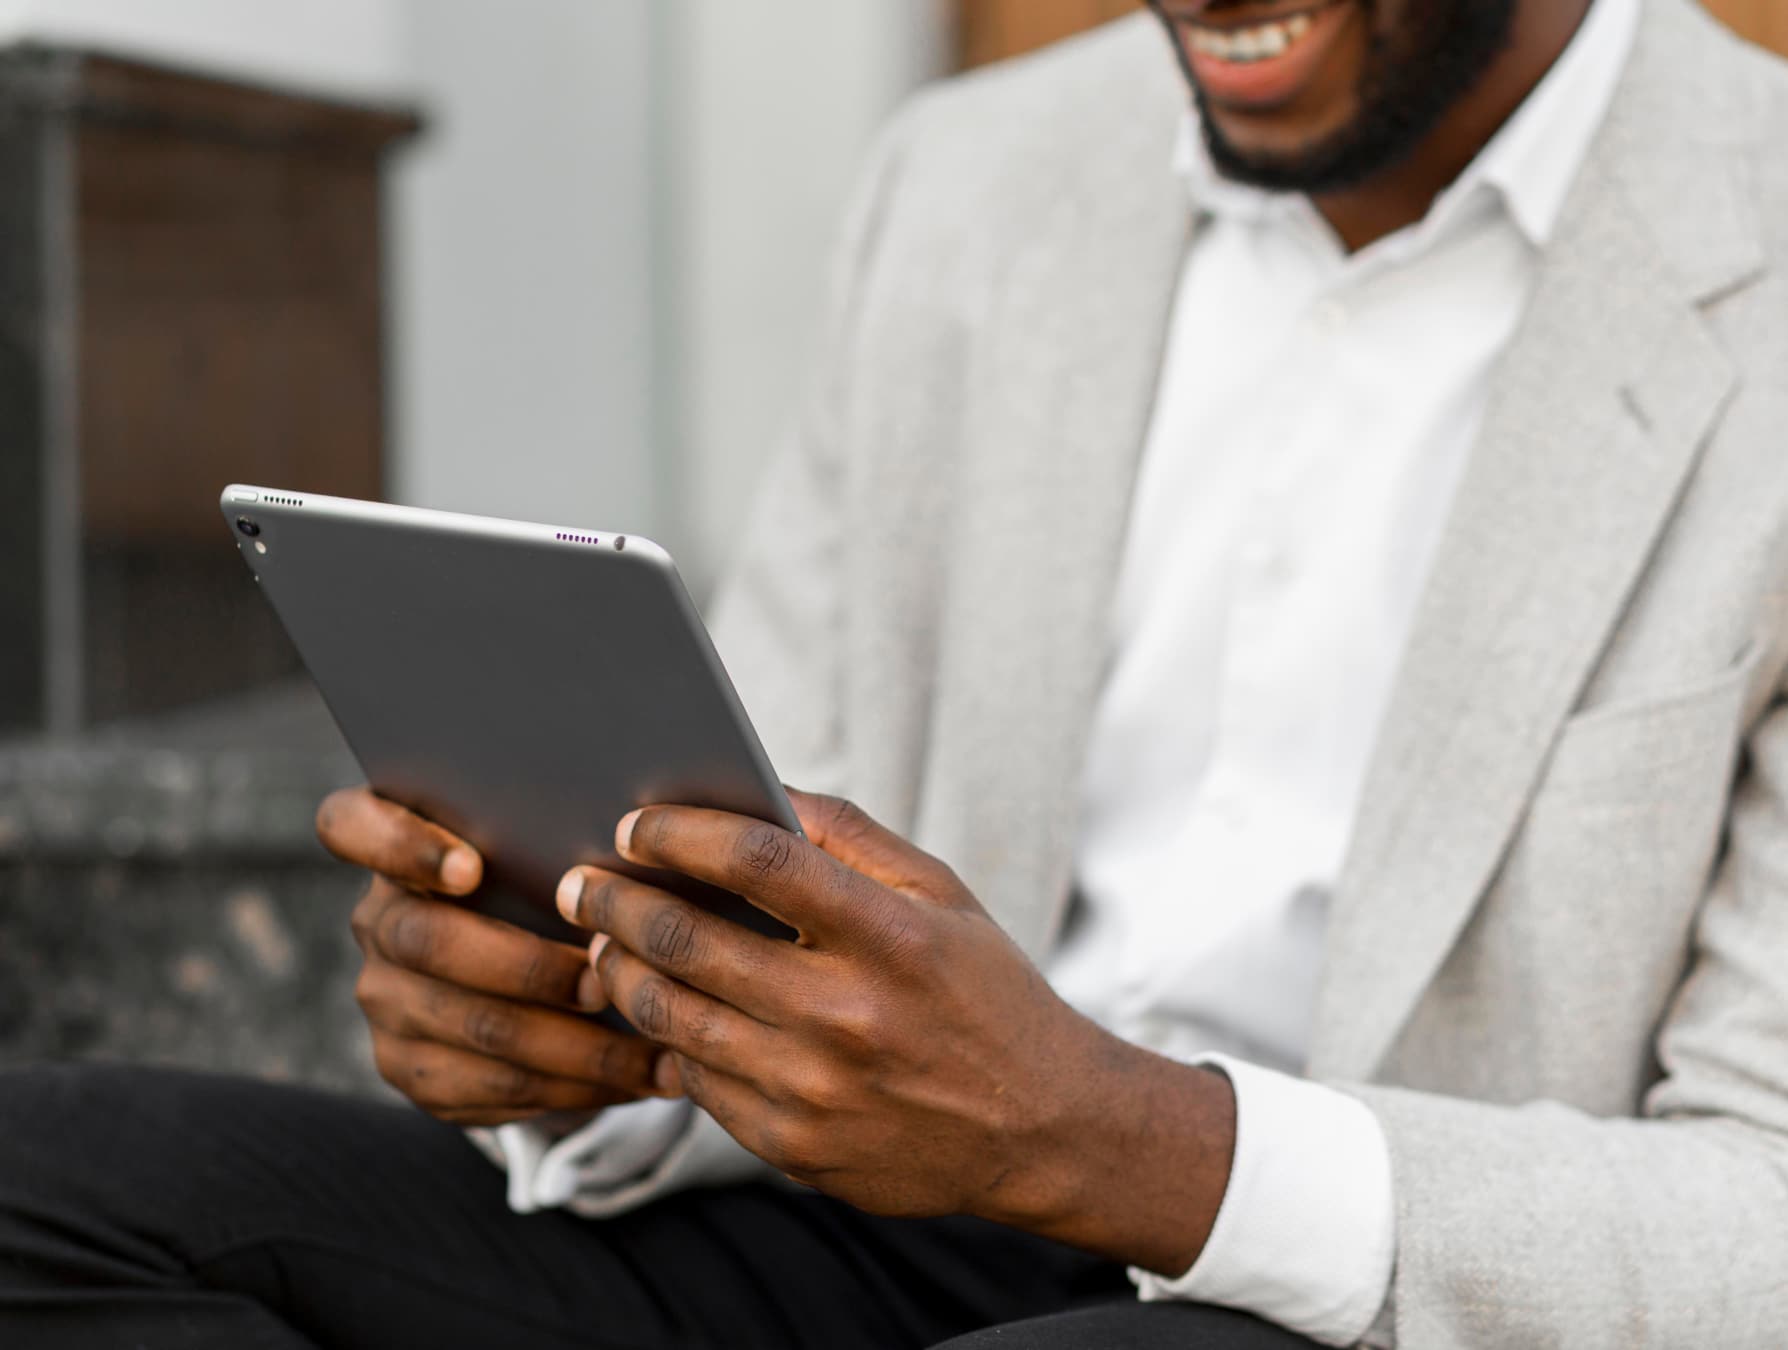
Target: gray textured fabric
[{"x": 1576, "y": 827}]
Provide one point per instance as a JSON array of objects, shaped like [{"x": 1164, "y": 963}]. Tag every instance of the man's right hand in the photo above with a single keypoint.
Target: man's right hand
[{"x": 476, "y": 1021}]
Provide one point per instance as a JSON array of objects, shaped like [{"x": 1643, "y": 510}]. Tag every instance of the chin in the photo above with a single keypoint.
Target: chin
[
  {"x": 1277, "y": 143},
  {"x": 1281, "y": 141}
]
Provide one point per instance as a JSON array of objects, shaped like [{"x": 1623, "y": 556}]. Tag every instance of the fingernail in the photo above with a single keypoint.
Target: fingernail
[
  {"x": 571, "y": 894},
  {"x": 459, "y": 869},
  {"x": 666, "y": 1077},
  {"x": 590, "y": 993},
  {"x": 624, "y": 832}
]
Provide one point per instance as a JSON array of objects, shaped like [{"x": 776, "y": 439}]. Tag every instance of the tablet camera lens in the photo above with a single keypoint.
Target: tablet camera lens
[{"x": 247, "y": 526}]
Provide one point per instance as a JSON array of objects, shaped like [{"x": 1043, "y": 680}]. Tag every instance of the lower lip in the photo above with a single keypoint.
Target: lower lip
[{"x": 1277, "y": 80}]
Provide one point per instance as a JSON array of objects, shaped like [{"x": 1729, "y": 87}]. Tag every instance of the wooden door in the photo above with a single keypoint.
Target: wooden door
[{"x": 991, "y": 29}]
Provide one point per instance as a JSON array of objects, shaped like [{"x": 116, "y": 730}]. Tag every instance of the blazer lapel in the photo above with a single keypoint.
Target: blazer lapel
[{"x": 1603, "y": 404}]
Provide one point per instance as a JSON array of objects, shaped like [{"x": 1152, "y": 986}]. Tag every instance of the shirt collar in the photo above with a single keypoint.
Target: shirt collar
[{"x": 1529, "y": 165}]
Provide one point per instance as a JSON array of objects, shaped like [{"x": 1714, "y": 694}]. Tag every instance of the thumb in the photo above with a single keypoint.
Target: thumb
[{"x": 846, "y": 832}]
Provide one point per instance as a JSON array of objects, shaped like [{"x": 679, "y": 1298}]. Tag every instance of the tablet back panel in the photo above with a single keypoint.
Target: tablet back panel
[{"x": 523, "y": 685}]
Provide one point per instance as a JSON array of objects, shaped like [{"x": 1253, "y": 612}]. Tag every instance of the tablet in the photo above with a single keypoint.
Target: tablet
[{"x": 524, "y": 686}]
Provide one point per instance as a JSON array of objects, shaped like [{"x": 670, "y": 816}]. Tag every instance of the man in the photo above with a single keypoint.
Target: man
[{"x": 1333, "y": 623}]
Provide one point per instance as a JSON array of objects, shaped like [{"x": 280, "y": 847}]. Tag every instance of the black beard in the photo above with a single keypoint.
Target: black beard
[{"x": 1414, "y": 75}]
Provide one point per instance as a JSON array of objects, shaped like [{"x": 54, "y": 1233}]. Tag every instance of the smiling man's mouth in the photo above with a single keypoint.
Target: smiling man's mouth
[
  {"x": 1260, "y": 42},
  {"x": 1257, "y": 54}
]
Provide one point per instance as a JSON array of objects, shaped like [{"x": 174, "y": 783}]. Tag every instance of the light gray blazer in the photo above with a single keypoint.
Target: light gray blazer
[{"x": 1558, "y": 967}]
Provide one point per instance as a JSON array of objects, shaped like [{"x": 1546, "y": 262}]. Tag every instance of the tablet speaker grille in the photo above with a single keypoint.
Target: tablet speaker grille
[
  {"x": 576, "y": 538},
  {"x": 282, "y": 501}
]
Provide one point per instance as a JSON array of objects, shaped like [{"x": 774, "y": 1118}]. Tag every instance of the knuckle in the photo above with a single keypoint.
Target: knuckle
[
  {"x": 765, "y": 852},
  {"x": 856, "y": 1024},
  {"x": 368, "y": 992},
  {"x": 704, "y": 1029},
  {"x": 612, "y": 1062},
  {"x": 652, "y": 1009},
  {"x": 363, "y": 922},
  {"x": 810, "y": 1087},
  {"x": 672, "y": 938},
  {"x": 406, "y": 934},
  {"x": 845, "y": 818},
  {"x": 543, "y": 978},
  {"x": 532, "y": 975},
  {"x": 436, "y": 1002},
  {"x": 694, "y": 1075},
  {"x": 900, "y": 932},
  {"x": 492, "y": 1028},
  {"x": 360, "y": 923},
  {"x": 509, "y": 1084},
  {"x": 384, "y": 1009}
]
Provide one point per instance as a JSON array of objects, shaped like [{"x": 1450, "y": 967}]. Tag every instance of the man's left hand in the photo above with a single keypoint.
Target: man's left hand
[{"x": 903, "y": 1055}]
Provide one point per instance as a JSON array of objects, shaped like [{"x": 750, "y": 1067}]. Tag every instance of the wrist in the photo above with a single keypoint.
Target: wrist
[{"x": 1137, "y": 1167}]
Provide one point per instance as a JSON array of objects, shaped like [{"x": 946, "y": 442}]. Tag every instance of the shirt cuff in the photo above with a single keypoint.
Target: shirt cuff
[
  {"x": 619, "y": 1147},
  {"x": 1306, "y": 1235}
]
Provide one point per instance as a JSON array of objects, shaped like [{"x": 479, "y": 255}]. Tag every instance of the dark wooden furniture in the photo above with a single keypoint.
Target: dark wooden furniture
[{"x": 190, "y": 287}]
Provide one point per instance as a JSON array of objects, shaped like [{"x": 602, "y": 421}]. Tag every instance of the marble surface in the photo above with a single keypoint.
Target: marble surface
[
  {"x": 234, "y": 967},
  {"x": 163, "y": 898}
]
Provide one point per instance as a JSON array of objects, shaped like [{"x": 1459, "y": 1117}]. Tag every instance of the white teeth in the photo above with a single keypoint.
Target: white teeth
[{"x": 1262, "y": 42}]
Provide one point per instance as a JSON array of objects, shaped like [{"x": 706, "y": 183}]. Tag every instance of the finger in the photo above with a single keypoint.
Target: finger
[
  {"x": 444, "y": 1079},
  {"x": 751, "y": 1118},
  {"x": 779, "y": 872},
  {"x": 557, "y": 1044},
  {"x": 682, "y": 1019},
  {"x": 850, "y": 834},
  {"x": 362, "y": 828},
  {"x": 681, "y": 940},
  {"x": 475, "y": 951},
  {"x": 737, "y": 1106}
]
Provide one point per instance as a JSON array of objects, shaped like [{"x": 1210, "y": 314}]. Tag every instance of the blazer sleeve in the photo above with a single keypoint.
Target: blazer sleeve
[
  {"x": 1538, "y": 1225},
  {"x": 778, "y": 627}
]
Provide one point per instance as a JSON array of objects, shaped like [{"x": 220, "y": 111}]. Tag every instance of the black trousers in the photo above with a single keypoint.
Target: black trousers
[{"x": 149, "y": 1210}]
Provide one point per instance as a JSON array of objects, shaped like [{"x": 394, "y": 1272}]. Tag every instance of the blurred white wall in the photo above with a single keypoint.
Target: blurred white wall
[
  {"x": 774, "y": 106},
  {"x": 345, "y": 45},
  {"x": 523, "y": 264},
  {"x": 608, "y": 250}
]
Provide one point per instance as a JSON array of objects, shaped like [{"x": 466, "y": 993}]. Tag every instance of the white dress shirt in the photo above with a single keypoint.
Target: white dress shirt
[{"x": 1314, "y": 415}]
